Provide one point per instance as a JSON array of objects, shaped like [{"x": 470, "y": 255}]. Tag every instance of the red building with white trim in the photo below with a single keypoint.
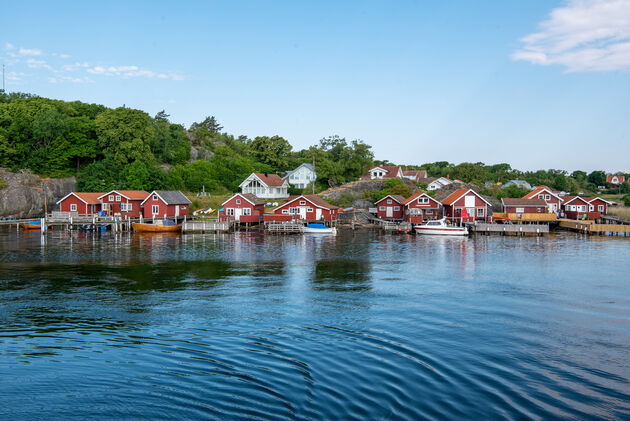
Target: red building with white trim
[
  {"x": 577, "y": 207},
  {"x": 308, "y": 207},
  {"x": 421, "y": 207},
  {"x": 524, "y": 205},
  {"x": 390, "y": 207},
  {"x": 597, "y": 204},
  {"x": 80, "y": 203},
  {"x": 123, "y": 202},
  {"x": 554, "y": 202},
  {"x": 242, "y": 207},
  {"x": 465, "y": 205},
  {"x": 165, "y": 204}
]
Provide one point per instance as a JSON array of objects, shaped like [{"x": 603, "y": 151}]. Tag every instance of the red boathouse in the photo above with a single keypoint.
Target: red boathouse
[
  {"x": 123, "y": 202},
  {"x": 465, "y": 205},
  {"x": 421, "y": 207},
  {"x": 390, "y": 207},
  {"x": 80, "y": 203},
  {"x": 308, "y": 207},
  {"x": 165, "y": 204},
  {"x": 242, "y": 207}
]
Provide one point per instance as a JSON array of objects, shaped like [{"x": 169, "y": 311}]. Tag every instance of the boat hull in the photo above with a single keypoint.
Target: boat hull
[
  {"x": 31, "y": 227},
  {"x": 332, "y": 231},
  {"x": 455, "y": 231},
  {"x": 138, "y": 227}
]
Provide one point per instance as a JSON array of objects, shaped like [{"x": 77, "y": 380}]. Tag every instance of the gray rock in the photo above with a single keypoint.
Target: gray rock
[{"x": 25, "y": 193}]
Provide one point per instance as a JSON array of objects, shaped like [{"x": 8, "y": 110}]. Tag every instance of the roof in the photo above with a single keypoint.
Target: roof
[
  {"x": 88, "y": 198},
  {"x": 170, "y": 197},
  {"x": 313, "y": 198},
  {"x": 417, "y": 195},
  {"x": 391, "y": 170},
  {"x": 621, "y": 178},
  {"x": 508, "y": 201},
  {"x": 590, "y": 199},
  {"x": 427, "y": 180},
  {"x": 306, "y": 164},
  {"x": 271, "y": 180},
  {"x": 417, "y": 173},
  {"x": 539, "y": 189},
  {"x": 568, "y": 199},
  {"x": 396, "y": 197},
  {"x": 459, "y": 193},
  {"x": 129, "y": 194},
  {"x": 250, "y": 197}
]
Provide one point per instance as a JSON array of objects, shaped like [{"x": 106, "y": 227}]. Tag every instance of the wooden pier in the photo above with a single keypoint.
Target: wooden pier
[
  {"x": 589, "y": 227},
  {"x": 285, "y": 228},
  {"x": 508, "y": 229},
  {"x": 205, "y": 226}
]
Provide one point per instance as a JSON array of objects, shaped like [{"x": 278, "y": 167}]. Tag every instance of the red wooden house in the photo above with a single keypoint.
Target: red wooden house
[
  {"x": 615, "y": 179},
  {"x": 554, "y": 202},
  {"x": 308, "y": 207},
  {"x": 577, "y": 207},
  {"x": 123, "y": 202},
  {"x": 465, "y": 205},
  {"x": 81, "y": 204},
  {"x": 524, "y": 205},
  {"x": 165, "y": 204},
  {"x": 421, "y": 207},
  {"x": 597, "y": 204},
  {"x": 242, "y": 207},
  {"x": 390, "y": 207}
]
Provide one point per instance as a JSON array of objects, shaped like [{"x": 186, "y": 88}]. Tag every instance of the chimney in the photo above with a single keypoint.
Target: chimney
[{"x": 266, "y": 175}]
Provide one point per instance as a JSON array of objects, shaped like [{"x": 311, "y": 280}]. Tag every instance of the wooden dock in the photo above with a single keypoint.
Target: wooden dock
[
  {"x": 527, "y": 217},
  {"x": 588, "y": 227},
  {"x": 508, "y": 229},
  {"x": 285, "y": 228},
  {"x": 205, "y": 226}
]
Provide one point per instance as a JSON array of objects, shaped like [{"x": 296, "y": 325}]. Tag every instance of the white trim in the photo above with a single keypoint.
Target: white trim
[
  {"x": 539, "y": 191},
  {"x": 603, "y": 200},
  {"x": 154, "y": 192},
  {"x": 307, "y": 199},
  {"x": 72, "y": 194},
  {"x": 389, "y": 195},
  {"x": 241, "y": 195},
  {"x": 285, "y": 183},
  {"x": 120, "y": 194},
  {"x": 464, "y": 194},
  {"x": 576, "y": 197}
]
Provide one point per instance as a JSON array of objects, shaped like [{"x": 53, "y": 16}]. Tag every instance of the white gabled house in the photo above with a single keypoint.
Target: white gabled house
[
  {"x": 302, "y": 176},
  {"x": 385, "y": 172},
  {"x": 265, "y": 186}
]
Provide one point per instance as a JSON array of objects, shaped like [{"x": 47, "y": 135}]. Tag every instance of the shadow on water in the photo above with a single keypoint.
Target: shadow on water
[{"x": 341, "y": 275}]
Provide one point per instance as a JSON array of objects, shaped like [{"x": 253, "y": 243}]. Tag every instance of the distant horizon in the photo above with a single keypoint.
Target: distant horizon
[{"x": 537, "y": 85}]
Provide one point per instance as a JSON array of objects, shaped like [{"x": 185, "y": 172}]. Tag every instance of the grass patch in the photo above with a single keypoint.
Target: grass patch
[{"x": 622, "y": 212}]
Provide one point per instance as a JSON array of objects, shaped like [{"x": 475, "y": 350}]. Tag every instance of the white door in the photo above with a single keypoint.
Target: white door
[
  {"x": 176, "y": 211},
  {"x": 237, "y": 214},
  {"x": 318, "y": 213},
  {"x": 303, "y": 213},
  {"x": 390, "y": 212}
]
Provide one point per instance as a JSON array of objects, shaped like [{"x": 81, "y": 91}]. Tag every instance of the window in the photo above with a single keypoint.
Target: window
[
  {"x": 294, "y": 211},
  {"x": 458, "y": 211},
  {"x": 396, "y": 208},
  {"x": 229, "y": 211},
  {"x": 129, "y": 207},
  {"x": 389, "y": 201},
  {"x": 547, "y": 197},
  {"x": 238, "y": 201},
  {"x": 123, "y": 207},
  {"x": 540, "y": 196},
  {"x": 600, "y": 208},
  {"x": 155, "y": 209},
  {"x": 111, "y": 197},
  {"x": 155, "y": 197},
  {"x": 247, "y": 211},
  {"x": 302, "y": 202},
  {"x": 73, "y": 207},
  {"x": 423, "y": 200},
  {"x": 285, "y": 211},
  {"x": 309, "y": 209},
  {"x": 118, "y": 198},
  {"x": 480, "y": 212},
  {"x": 520, "y": 210},
  {"x": 429, "y": 211},
  {"x": 183, "y": 206},
  {"x": 382, "y": 208}
]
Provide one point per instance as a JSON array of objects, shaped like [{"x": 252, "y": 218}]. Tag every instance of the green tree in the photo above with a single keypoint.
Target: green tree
[
  {"x": 597, "y": 177},
  {"x": 272, "y": 150},
  {"x": 124, "y": 134}
]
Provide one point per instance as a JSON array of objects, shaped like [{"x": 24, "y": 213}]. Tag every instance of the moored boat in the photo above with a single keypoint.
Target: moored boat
[
  {"x": 157, "y": 226},
  {"x": 319, "y": 229},
  {"x": 439, "y": 227},
  {"x": 31, "y": 226}
]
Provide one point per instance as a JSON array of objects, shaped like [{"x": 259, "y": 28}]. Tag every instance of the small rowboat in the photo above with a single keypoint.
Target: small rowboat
[
  {"x": 31, "y": 226},
  {"x": 158, "y": 226},
  {"x": 319, "y": 229},
  {"x": 439, "y": 227}
]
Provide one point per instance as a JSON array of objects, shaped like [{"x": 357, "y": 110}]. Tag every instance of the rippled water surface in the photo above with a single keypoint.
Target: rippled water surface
[{"x": 358, "y": 326}]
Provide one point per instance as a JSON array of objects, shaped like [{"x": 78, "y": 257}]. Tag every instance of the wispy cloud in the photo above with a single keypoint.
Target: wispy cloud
[
  {"x": 131, "y": 71},
  {"x": 582, "y": 36},
  {"x": 39, "y": 64},
  {"x": 30, "y": 52}
]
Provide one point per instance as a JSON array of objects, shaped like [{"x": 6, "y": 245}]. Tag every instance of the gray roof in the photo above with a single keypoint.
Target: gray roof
[
  {"x": 306, "y": 164},
  {"x": 173, "y": 197}
]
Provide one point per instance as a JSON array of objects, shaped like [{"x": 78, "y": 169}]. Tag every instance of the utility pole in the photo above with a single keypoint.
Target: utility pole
[
  {"x": 314, "y": 173},
  {"x": 3, "y": 90}
]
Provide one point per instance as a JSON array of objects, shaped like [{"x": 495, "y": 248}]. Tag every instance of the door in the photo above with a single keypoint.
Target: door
[
  {"x": 303, "y": 213},
  {"x": 318, "y": 214},
  {"x": 390, "y": 212},
  {"x": 237, "y": 214},
  {"x": 176, "y": 211}
]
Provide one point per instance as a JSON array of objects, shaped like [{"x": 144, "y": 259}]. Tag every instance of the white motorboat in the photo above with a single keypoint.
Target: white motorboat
[
  {"x": 439, "y": 227},
  {"x": 319, "y": 229}
]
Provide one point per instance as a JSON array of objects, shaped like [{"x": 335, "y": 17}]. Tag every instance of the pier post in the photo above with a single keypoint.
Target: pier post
[
  {"x": 42, "y": 225},
  {"x": 184, "y": 224}
]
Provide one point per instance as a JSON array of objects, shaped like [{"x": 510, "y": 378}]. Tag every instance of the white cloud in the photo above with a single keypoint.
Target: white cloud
[
  {"x": 584, "y": 35},
  {"x": 75, "y": 66},
  {"x": 30, "y": 52},
  {"x": 131, "y": 71},
  {"x": 38, "y": 64},
  {"x": 15, "y": 76},
  {"x": 8, "y": 46},
  {"x": 64, "y": 55}
]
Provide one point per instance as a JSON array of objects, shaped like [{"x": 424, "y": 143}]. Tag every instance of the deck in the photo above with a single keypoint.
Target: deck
[
  {"x": 508, "y": 229},
  {"x": 527, "y": 217}
]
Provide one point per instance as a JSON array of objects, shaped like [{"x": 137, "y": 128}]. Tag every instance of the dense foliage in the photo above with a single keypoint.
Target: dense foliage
[{"x": 126, "y": 148}]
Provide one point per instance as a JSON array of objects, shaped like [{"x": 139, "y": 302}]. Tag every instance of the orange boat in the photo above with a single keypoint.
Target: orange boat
[
  {"x": 158, "y": 226},
  {"x": 32, "y": 226}
]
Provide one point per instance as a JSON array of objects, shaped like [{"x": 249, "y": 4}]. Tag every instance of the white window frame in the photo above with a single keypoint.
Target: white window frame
[
  {"x": 229, "y": 211},
  {"x": 309, "y": 209},
  {"x": 520, "y": 210},
  {"x": 73, "y": 207},
  {"x": 155, "y": 209},
  {"x": 481, "y": 212},
  {"x": 118, "y": 198},
  {"x": 247, "y": 211},
  {"x": 396, "y": 208},
  {"x": 155, "y": 197},
  {"x": 110, "y": 197},
  {"x": 302, "y": 202},
  {"x": 429, "y": 211},
  {"x": 285, "y": 211},
  {"x": 600, "y": 208},
  {"x": 238, "y": 201},
  {"x": 389, "y": 201},
  {"x": 383, "y": 208}
]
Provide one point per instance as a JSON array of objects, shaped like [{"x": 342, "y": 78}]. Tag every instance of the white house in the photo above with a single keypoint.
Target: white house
[
  {"x": 265, "y": 186},
  {"x": 385, "y": 171},
  {"x": 302, "y": 176},
  {"x": 435, "y": 183}
]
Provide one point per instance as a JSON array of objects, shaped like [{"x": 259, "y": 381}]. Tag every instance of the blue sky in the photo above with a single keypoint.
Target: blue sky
[{"x": 537, "y": 84}]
